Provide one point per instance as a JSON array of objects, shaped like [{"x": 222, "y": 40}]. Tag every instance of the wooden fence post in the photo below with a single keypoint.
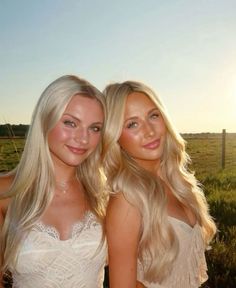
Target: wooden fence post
[{"x": 223, "y": 149}]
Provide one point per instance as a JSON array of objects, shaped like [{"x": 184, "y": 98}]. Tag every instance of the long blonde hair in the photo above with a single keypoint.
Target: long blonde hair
[
  {"x": 158, "y": 241},
  {"x": 33, "y": 185}
]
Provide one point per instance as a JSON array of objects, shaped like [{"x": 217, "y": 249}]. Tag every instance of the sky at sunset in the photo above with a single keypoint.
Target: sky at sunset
[{"x": 184, "y": 49}]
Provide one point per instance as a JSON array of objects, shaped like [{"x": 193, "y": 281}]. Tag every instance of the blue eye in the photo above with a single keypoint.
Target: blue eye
[
  {"x": 69, "y": 123},
  {"x": 154, "y": 115},
  {"x": 132, "y": 125},
  {"x": 96, "y": 128}
]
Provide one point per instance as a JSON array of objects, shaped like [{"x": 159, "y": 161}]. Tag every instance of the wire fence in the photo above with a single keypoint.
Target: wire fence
[{"x": 211, "y": 152}]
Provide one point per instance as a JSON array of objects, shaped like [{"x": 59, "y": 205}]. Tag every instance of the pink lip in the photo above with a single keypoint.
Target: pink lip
[
  {"x": 152, "y": 145},
  {"x": 79, "y": 151}
]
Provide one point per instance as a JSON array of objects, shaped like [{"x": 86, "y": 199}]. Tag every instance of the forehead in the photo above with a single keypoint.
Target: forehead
[
  {"x": 81, "y": 105},
  {"x": 138, "y": 103}
]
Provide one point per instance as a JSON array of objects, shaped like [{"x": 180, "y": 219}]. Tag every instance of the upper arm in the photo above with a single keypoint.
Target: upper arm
[
  {"x": 5, "y": 183},
  {"x": 2, "y": 205},
  {"x": 123, "y": 232},
  {"x": 1, "y": 215}
]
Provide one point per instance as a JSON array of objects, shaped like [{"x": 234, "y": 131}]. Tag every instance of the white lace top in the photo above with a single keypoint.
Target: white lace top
[
  {"x": 48, "y": 262},
  {"x": 189, "y": 269}
]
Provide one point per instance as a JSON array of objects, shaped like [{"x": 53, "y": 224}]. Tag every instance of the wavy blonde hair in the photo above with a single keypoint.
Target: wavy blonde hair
[
  {"x": 33, "y": 185},
  {"x": 158, "y": 241}
]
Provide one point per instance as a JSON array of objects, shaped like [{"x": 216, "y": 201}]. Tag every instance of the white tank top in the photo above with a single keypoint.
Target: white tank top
[
  {"x": 189, "y": 268},
  {"x": 48, "y": 262}
]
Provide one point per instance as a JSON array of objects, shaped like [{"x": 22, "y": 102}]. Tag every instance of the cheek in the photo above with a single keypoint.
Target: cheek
[
  {"x": 57, "y": 134},
  {"x": 95, "y": 139},
  {"x": 162, "y": 127},
  {"x": 128, "y": 140}
]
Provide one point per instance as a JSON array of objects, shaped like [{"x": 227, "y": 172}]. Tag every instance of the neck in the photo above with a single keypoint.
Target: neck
[
  {"x": 62, "y": 171},
  {"x": 64, "y": 174},
  {"x": 64, "y": 179},
  {"x": 151, "y": 166},
  {"x": 65, "y": 185}
]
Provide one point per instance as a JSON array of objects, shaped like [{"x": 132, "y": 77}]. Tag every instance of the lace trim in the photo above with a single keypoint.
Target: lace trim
[{"x": 88, "y": 221}]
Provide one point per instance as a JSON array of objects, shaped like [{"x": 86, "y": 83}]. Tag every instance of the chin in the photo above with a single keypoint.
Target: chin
[{"x": 75, "y": 163}]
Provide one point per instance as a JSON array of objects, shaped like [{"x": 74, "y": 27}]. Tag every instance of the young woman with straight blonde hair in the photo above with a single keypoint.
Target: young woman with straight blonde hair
[
  {"x": 157, "y": 224},
  {"x": 52, "y": 205}
]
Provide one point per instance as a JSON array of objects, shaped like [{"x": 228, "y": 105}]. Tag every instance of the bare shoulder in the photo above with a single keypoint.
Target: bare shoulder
[
  {"x": 123, "y": 225},
  {"x": 120, "y": 209},
  {"x": 5, "y": 182},
  {"x": 122, "y": 218}
]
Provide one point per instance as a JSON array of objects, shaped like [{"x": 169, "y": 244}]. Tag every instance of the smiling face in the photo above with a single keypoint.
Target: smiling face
[
  {"x": 144, "y": 131},
  {"x": 77, "y": 133}
]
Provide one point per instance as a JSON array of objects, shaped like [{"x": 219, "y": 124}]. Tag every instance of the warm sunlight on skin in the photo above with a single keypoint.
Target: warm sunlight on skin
[{"x": 144, "y": 131}]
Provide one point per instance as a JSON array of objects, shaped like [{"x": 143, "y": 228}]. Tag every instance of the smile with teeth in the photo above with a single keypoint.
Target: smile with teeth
[
  {"x": 152, "y": 145},
  {"x": 76, "y": 150}
]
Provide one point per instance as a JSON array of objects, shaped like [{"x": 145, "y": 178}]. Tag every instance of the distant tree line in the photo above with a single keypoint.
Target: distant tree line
[{"x": 12, "y": 130}]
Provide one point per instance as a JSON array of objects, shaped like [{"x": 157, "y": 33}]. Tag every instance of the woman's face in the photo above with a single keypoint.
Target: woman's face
[
  {"x": 144, "y": 131},
  {"x": 77, "y": 133}
]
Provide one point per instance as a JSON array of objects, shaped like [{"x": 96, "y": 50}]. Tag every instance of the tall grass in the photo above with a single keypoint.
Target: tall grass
[
  {"x": 220, "y": 189},
  {"x": 10, "y": 151}
]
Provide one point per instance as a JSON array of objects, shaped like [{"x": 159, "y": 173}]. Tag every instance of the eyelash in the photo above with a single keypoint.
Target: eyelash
[
  {"x": 69, "y": 123},
  {"x": 154, "y": 115},
  {"x": 96, "y": 129},
  {"x": 131, "y": 125},
  {"x": 72, "y": 124},
  {"x": 134, "y": 124}
]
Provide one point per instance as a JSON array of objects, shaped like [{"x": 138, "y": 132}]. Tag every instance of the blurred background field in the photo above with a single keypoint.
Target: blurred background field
[
  {"x": 220, "y": 189},
  {"x": 219, "y": 185}
]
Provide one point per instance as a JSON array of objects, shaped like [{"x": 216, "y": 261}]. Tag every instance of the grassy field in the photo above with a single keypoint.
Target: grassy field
[
  {"x": 219, "y": 186},
  {"x": 10, "y": 151},
  {"x": 220, "y": 189}
]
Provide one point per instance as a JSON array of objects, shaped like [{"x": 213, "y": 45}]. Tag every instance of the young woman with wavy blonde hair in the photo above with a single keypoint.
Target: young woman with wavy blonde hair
[
  {"x": 157, "y": 222},
  {"x": 53, "y": 204}
]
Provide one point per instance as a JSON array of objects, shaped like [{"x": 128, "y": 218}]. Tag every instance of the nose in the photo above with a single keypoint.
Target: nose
[
  {"x": 82, "y": 136},
  {"x": 149, "y": 129}
]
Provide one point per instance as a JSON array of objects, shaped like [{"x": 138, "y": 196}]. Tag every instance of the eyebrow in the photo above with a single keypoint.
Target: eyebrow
[
  {"x": 130, "y": 119},
  {"x": 136, "y": 117},
  {"x": 154, "y": 109},
  {"x": 77, "y": 119}
]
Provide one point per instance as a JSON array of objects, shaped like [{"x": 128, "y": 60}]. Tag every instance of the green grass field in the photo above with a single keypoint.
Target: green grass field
[{"x": 220, "y": 189}]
